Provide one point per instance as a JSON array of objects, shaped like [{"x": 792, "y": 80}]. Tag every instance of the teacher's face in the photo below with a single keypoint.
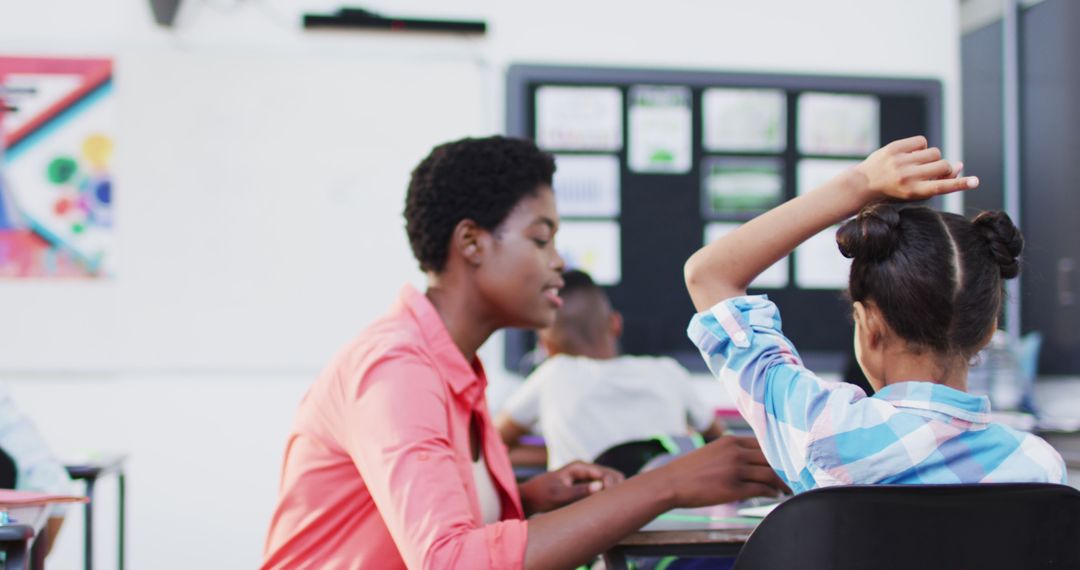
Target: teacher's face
[{"x": 521, "y": 274}]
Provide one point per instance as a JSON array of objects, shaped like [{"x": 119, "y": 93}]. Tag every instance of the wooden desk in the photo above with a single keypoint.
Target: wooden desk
[{"x": 705, "y": 532}]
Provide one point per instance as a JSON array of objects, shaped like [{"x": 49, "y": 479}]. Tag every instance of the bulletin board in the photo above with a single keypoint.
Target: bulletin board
[{"x": 652, "y": 164}]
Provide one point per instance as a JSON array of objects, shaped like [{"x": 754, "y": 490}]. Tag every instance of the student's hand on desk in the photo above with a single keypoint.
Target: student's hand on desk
[
  {"x": 729, "y": 469},
  {"x": 909, "y": 170},
  {"x": 575, "y": 481}
]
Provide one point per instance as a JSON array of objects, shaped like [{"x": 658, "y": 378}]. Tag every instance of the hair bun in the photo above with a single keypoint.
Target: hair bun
[
  {"x": 873, "y": 235},
  {"x": 1004, "y": 239}
]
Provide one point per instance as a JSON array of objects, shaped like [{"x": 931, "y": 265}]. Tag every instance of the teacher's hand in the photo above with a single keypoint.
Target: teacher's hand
[
  {"x": 575, "y": 481},
  {"x": 728, "y": 469}
]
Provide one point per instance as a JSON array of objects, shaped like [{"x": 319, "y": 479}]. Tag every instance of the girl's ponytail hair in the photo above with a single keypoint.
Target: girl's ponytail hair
[
  {"x": 873, "y": 235},
  {"x": 1004, "y": 240}
]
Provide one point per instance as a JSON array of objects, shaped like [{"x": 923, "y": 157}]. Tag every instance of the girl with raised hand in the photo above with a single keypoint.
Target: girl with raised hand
[{"x": 926, "y": 289}]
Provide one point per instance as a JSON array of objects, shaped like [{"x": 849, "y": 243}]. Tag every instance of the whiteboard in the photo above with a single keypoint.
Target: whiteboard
[{"x": 258, "y": 212}]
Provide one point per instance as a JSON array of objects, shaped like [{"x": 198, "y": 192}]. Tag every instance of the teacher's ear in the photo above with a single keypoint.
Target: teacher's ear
[{"x": 467, "y": 241}]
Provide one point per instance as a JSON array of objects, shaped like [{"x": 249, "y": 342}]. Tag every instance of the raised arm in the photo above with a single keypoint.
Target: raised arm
[{"x": 902, "y": 170}]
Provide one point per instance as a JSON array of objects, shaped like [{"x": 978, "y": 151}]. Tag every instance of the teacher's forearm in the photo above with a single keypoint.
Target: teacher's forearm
[{"x": 573, "y": 535}]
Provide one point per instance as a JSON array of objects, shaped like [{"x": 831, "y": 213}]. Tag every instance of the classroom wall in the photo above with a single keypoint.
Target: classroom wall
[{"x": 204, "y": 429}]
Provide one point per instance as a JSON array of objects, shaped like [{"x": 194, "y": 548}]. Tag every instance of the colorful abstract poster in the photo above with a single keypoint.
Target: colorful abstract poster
[{"x": 56, "y": 167}]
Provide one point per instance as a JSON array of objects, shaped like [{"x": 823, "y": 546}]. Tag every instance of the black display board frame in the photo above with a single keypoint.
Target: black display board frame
[{"x": 660, "y": 215}]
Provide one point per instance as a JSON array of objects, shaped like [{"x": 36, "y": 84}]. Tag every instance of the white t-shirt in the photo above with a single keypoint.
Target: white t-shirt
[
  {"x": 586, "y": 406},
  {"x": 37, "y": 468},
  {"x": 490, "y": 509}
]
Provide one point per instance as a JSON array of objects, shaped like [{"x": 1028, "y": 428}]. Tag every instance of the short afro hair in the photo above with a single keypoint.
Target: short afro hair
[{"x": 476, "y": 179}]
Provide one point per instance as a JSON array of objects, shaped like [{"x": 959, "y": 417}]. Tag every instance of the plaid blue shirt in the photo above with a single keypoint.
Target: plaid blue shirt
[{"x": 817, "y": 433}]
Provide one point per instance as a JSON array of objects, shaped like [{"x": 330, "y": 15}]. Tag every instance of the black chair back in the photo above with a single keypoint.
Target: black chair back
[
  {"x": 8, "y": 471},
  {"x": 947, "y": 527},
  {"x": 631, "y": 456}
]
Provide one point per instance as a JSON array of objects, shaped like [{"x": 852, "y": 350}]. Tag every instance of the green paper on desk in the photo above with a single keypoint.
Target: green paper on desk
[{"x": 701, "y": 518}]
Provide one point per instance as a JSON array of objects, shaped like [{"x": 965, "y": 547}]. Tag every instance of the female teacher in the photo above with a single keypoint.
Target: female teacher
[{"x": 393, "y": 461}]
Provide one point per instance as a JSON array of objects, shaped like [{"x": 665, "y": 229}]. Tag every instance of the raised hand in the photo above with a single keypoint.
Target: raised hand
[{"x": 908, "y": 169}]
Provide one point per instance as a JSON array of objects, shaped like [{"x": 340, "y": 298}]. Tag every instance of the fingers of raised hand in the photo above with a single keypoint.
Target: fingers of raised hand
[
  {"x": 931, "y": 170},
  {"x": 910, "y": 144},
  {"x": 932, "y": 154},
  {"x": 930, "y": 188}
]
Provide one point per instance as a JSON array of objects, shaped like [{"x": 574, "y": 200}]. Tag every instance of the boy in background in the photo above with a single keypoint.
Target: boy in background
[{"x": 587, "y": 397}]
